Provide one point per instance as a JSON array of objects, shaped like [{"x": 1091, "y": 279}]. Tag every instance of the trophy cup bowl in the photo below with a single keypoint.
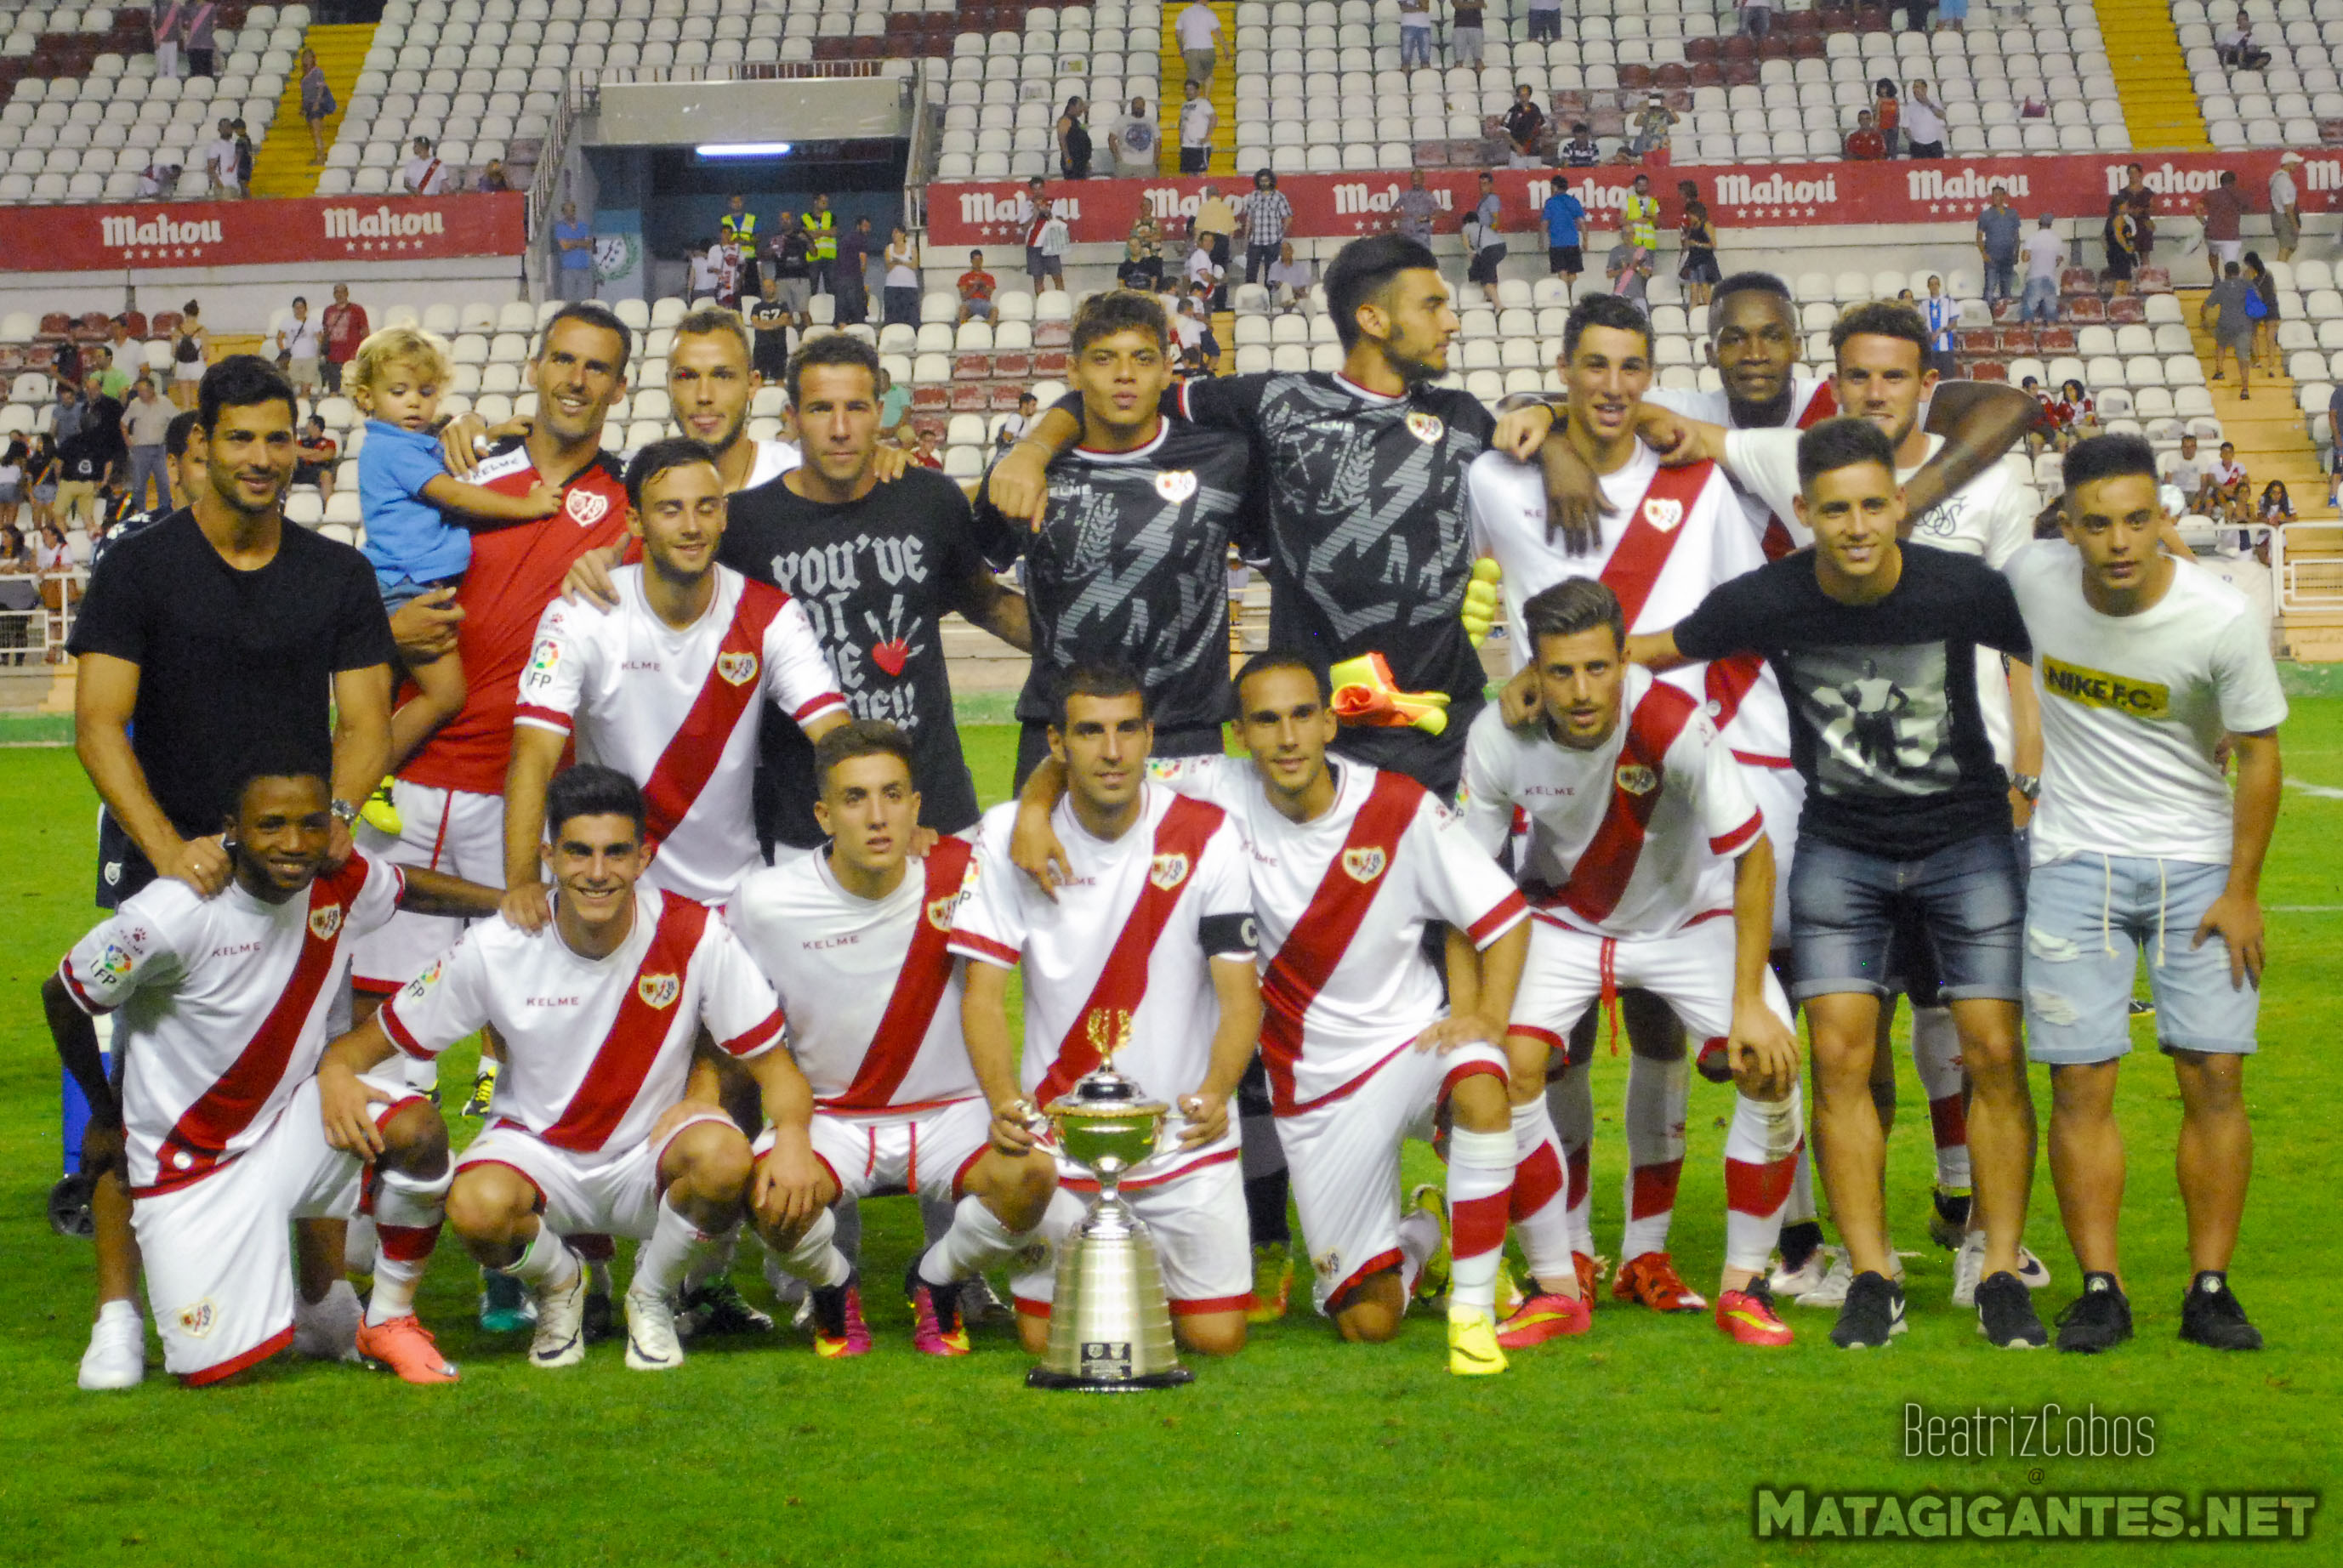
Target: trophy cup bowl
[{"x": 1109, "y": 1318}]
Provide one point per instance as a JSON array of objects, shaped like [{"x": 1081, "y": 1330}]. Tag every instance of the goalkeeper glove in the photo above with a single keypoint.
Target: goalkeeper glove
[
  {"x": 1364, "y": 693},
  {"x": 1481, "y": 601}
]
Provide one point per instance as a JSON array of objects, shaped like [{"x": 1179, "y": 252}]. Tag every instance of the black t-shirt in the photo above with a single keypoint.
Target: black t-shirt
[
  {"x": 876, "y": 577},
  {"x": 1883, "y": 720},
  {"x": 1368, "y": 545},
  {"x": 1130, "y": 565},
  {"x": 234, "y": 666},
  {"x": 770, "y": 318},
  {"x": 82, "y": 457}
]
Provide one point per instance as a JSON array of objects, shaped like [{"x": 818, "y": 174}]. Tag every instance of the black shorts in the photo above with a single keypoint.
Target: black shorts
[
  {"x": 1484, "y": 264},
  {"x": 1700, "y": 267},
  {"x": 308, "y": 473},
  {"x": 1568, "y": 259},
  {"x": 122, "y": 867}
]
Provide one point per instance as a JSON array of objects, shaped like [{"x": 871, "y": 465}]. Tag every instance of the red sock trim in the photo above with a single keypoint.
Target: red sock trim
[
  {"x": 1758, "y": 1190},
  {"x": 406, "y": 1243},
  {"x": 1581, "y": 1175},
  {"x": 1537, "y": 1179},
  {"x": 1476, "y": 1225},
  {"x": 1655, "y": 1188},
  {"x": 1199, "y": 1307},
  {"x": 235, "y": 1364},
  {"x": 1948, "y": 1118},
  {"x": 1029, "y": 1307}
]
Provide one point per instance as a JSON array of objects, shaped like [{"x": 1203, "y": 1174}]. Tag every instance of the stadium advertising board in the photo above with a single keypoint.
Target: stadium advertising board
[{"x": 149, "y": 236}]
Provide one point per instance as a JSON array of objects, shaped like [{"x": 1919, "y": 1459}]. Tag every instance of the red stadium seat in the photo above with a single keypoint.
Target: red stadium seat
[
  {"x": 1050, "y": 365},
  {"x": 2089, "y": 307},
  {"x": 970, "y": 397},
  {"x": 2078, "y": 280},
  {"x": 1052, "y": 334},
  {"x": 2153, "y": 280},
  {"x": 2055, "y": 340},
  {"x": 2127, "y": 307},
  {"x": 1988, "y": 370},
  {"x": 1978, "y": 342},
  {"x": 971, "y": 367},
  {"x": 1011, "y": 367},
  {"x": 56, "y": 327},
  {"x": 1005, "y": 395},
  {"x": 2018, "y": 340},
  {"x": 931, "y": 396}
]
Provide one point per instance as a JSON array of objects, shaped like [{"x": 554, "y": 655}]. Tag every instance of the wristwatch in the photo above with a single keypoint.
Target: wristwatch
[
  {"x": 2029, "y": 785},
  {"x": 344, "y": 813}
]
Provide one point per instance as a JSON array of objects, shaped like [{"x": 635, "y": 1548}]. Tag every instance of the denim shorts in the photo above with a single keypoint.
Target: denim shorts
[
  {"x": 1967, "y": 901},
  {"x": 398, "y": 589},
  {"x": 2089, "y": 921}
]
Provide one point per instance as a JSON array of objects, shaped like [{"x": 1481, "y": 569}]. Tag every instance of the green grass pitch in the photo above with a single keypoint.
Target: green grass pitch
[{"x": 1641, "y": 1443}]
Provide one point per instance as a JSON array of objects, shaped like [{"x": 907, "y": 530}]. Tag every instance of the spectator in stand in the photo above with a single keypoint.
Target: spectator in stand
[
  {"x": 1205, "y": 276},
  {"x": 1999, "y": 231},
  {"x": 1074, "y": 140},
  {"x": 2236, "y": 48},
  {"x": 2143, "y": 211},
  {"x": 1887, "y": 114},
  {"x": 1629, "y": 272},
  {"x": 53, "y": 565},
  {"x": 301, "y": 346},
  {"x": 821, "y": 227},
  {"x": 776, "y": 330},
  {"x": 2117, "y": 234},
  {"x": 899, "y": 298},
  {"x": 2227, "y": 489},
  {"x": 1215, "y": 222},
  {"x": 492, "y": 177},
  {"x": 113, "y": 380},
  {"x": 219, "y": 163},
  {"x": 1927, "y": 123},
  {"x": 345, "y": 327},
  {"x": 854, "y": 275},
  {"x": 706, "y": 260},
  {"x": 1943, "y": 313},
  {"x": 1015, "y": 427},
  {"x": 1526, "y": 128},
  {"x": 1143, "y": 253},
  {"x": 167, "y": 23},
  {"x": 2220, "y": 210},
  {"x": 199, "y": 38},
  {"x": 1866, "y": 143},
  {"x": 894, "y": 409},
  {"x": 103, "y": 416},
  {"x": 924, "y": 452},
  {"x": 2334, "y": 446},
  {"x": 1131, "y": 140},
  {"x": 1484, "y": 241},
  {"x": 1412, "y": 213},
  {"x": 789, "y": 257},
  {"x": 976, "y": 287},
  {"x": 1654, "y": 124},
  {"x": 41, "y": 473},
  {"x": 2044, "y": 256},
  {"x": 2224, "y": 315},
  {"x": 68, "y": 413},
  {"x": 189, "y": 351},
  {"x": 424, "y": 174},
  {"x": 1581, "y": 151},
  {"x": 1639, "y": 216},
  {"x": 1467, "y": 32},
  {"x": 146, "y": 428},
  {"x": 573, "y": 250},
  {"x": 155, "y": 177},
  {"x": 1565, "y": 255},
  {"x": 1268, "y": 214},
  {"x": 1046, "y": 239},
  {"x": 315, "y": 453},
  {"x": 1756, "y": 18},
  {"x": 318, "y": 103},
  {"x": 1289, "y": 279},
  {"x": 13, "y": 455},
  {"x": 85, "y": 466},
  {"x": 2077, "y": 413},
  {"x": 243, "y": 139},
  {"x": 2276, "y": 509},
  {"x": 1415, "y": 34},
  {"x": 2261, "y": 304},
  {"x": 1952, "y": 15},
  {"x": 1198, "y": 120},
  {"x": 1545, "y": 21},
  {"x": 2038, "y": 434},
  {"x": 1697, "y": 269},
  {"x": 2286, "y": 206},
  {"x": 1202, "y": 40},
  {"x": 2189, "y": 475}
]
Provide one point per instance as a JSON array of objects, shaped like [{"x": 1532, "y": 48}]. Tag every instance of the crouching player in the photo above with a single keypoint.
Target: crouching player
[
  {"x": 222, "y": 1005},
  {"x": 1145, "y": 956},
  {"x": 853, "y": 939},
  {"x": 590, "y": 1129},
  {"x": 1634, "y": 804}
]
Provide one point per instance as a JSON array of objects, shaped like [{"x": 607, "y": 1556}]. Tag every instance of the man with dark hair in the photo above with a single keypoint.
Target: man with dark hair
[
  {"x": 1128, "y": 563},
  {"x": 2149, "y": 668},
  {"x": 1145, "y": 955},
  {"x": 1919, "y": 838},
  {"x": 594, "y": 1128},
  {"x": 1617, "y": 907}
]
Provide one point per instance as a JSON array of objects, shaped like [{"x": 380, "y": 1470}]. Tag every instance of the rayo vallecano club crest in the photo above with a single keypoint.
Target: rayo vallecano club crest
[
  {"x": 1638, "y": 779},
  {"x": 1168, "y": 871},
  {"x": 1364, "y": 865},
  {"x": 1425, "y": 426},
  {"x": 1662, "y": 512},
  {"x": 737, "y": 668},
  {"x": 325, "y": 921},
  {"x": 659, "y": 990},
  {"x": 1176, "y": 485},
  {"x": 586, "y": 508}
]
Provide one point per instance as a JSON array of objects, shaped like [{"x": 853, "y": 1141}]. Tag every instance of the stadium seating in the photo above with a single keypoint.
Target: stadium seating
[{"x": 2295, "y": 100}]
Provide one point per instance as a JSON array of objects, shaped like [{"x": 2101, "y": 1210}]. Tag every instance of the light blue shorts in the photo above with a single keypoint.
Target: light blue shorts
[{"x": 2089, "y": 921}]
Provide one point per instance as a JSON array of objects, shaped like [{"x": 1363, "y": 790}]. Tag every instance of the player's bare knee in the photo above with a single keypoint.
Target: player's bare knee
[
  {"x": 415, "y": 1140},
  {"x": 710, "y": 1161},
  {"x": 2083, "y": 1090},
  {"x": 486, "y": 1205},
  {"x": 1212, "y": 1333},
  {"x": 1367, "y": 1323},
  {"x": 1480, "y": 1103}
]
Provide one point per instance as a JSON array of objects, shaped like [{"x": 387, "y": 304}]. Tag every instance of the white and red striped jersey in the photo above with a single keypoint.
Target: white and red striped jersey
[
  {"x": 1343, "y": 901},
  {"x": 678, "y": 711},
  {"x": 223, "y": 1003},
  {"x": 1674, "y": 535},
  {"x": 1812, "y": 399},
  {"x": 869, "y": 987},
  {"x": 1118, "y": 963},
  {"x": 595, "y": 1048},
  {"x": 1632, "y": 838}
]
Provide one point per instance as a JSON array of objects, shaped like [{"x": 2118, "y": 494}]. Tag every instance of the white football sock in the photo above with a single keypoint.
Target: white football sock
[
  {"x": 1657, "y": 1095},
  {"x": 358, "y": 1244},
  {"x": 1760, "y": 1160},
  {"x": 815, "y": 1259},
  {"x": 713, "y": 1262},
  {"x": 675, "y": 1241},
  {"x": 1419, "y": 1238},
  {"x": 1480, "y": 1189},
  {"x": 1570, "y": 1101},
  {"x": 1541, "y": 1198},
  {"x": 547, "y": 1265},
  {"x": 407, "y": 1214},
  {"x": 975, "y": 1242},
  {"x": 1936, "y": 1054}
]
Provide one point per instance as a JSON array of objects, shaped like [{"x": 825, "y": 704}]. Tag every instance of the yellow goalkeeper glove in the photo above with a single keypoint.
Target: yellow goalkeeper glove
[
  {"x": 1481, "y": 599},
  {"x": 1366, "y": 694}
]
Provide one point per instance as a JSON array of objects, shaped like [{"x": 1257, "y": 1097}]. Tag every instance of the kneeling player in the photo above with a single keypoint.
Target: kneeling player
[
  {"x": 1348, "y": 863},
  {"x": 589, "y": 1127},
  {"x": 853, "y": 939},
  {"x": 224, "y": 1004},
  {"x": 1633, "y": 802},
  {"x": 1144, "y": 957}
]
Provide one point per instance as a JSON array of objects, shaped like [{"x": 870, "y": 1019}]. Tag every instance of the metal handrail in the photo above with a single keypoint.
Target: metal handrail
[{"x": 2307, "y": 580}]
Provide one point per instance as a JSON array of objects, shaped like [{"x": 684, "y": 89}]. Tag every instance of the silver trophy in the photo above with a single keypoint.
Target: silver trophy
[{"x": 1110, "y": 1320}]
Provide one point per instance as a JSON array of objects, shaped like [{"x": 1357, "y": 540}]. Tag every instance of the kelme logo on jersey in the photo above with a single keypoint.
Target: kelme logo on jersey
[
  {"x": 1176, "y": 485},
  {"x": 585, "y": 507},
  {"x": 737, "y": 668},
  {"x": 1638, "y": 779},
  {"x": 199, "y": 1319},
  {"x": 1426, "y": 428},
  {"x": 1168, "y": 871},
  {"x": 1366, "y": 863},
  {"x": 324, "y": 921},
  {"x": 1662, "y": 512},
  {"x": 658, "y": 991}
]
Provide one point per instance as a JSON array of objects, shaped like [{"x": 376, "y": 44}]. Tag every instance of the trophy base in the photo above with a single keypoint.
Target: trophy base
[{"x": 1043, "y": 1377}]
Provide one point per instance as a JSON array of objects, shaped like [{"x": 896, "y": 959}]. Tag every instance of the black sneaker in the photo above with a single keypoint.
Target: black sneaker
[
  {"x": 2006, "y": 1314},
  {"x": 718, "y": 1307},
  {"x": 2141, "y": 1007},
  {"x": 1872, "y": 1316},
  {"x": 2210, "y": 1316},
  {"x": 600, "y": 1322},
  {"x": 2097, "y": 1320}
]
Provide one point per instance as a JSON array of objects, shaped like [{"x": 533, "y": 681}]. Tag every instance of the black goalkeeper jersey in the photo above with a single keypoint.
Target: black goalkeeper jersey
[{"x": 1129, "y": 567}]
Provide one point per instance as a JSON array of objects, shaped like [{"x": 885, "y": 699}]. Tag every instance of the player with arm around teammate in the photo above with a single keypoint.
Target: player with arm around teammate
[
  {"x": 222, "y": 1005},
  {"x": 854, "y": 940},
  {"x": 590, "y": 1129},
  {"x": 1636, "y": 804}
]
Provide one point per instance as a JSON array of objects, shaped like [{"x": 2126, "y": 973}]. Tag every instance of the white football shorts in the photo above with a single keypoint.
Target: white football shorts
[
  {"x": 450, "y": 830},
  {"x": 1690, "y": 969},
  {"x": 612, "y": 1192},
  {"x": 923, "y": 1152}
]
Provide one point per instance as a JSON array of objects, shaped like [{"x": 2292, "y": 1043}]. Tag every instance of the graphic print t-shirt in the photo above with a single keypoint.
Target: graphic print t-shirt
[
  {"x": 1127, "y": 567},
  {"x": 875, "y": 577},
  {"x": 1883, "y": 718}
]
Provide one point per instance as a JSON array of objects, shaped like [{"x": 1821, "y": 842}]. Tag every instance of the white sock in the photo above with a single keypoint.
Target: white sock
[
  {"x": 975, "y": 1242},
  {"x": 1419, "y": 1238},
  {"x": 1657, "y": 1095},
  {"x": 407, "y": 1214},
  {"x": 109, "y": 1310},
  {"x": 1540, "y": 1204},
  {"x": 547, "y": 1266},
  {"x": 713, "y": 1262},
  {"x": 1570, "y": 1101},
  {"x": 815, "y": 1259},
  {"x": 1480, "y": 1187},
  {"x": 358, "y": 1244},
  {"x": 675, "y": 1242},
  {"x": 1760, "y": 1158},
  {"x": 1936, "y": 1054}
]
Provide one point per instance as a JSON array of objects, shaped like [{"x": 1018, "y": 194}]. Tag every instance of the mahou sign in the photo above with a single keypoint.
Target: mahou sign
[
  {"x": 1761, "y": 195},
  {"x": 153, "y": 236}
]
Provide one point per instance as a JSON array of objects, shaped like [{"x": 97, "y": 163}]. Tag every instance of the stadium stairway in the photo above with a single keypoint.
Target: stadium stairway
[
  {"x": 2159, "y": 102},
  {"x": 1223, "y": 94},
  {"x": 2273, "y": 444},
  {"x": 282, "y": 167}
]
